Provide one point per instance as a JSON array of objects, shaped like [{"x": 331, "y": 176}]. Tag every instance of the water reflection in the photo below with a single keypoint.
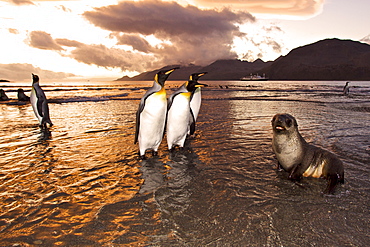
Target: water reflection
[
  {"x": 153, "y": 172},
  {"x": 81, "y": 184}
]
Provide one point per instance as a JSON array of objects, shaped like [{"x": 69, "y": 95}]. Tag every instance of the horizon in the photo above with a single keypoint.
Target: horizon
[{"x": 66, "y": 40}]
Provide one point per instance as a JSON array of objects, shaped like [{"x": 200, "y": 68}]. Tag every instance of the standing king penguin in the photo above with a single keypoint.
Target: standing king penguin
[
  {"x": 196, "y": 98},
  {"x": 346, "y": 89},
  {"x": 151, "y": 115},
  {"x": 180, "y": 118},
  {"x": 40, "y": 103}
]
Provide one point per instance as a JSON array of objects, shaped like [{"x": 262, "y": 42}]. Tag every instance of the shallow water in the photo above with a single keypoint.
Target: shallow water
[{"x": 82, "y": 184}]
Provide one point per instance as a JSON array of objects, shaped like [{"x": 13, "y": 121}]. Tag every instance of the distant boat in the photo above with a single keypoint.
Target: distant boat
[{"x": 254, "y": 78}]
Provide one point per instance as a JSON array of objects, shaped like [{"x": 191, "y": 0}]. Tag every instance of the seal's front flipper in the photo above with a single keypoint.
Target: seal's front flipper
[
  {"x": 279, "y": 167},
  {"x": 295, "y": 174},
  {"x": 333, "y": 180}
]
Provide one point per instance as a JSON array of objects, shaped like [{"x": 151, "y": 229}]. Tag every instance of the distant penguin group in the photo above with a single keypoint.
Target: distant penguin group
[{"x": 177, "y": 117}]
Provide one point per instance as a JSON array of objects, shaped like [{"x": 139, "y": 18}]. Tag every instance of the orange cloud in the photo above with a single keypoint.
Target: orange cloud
[
  {"x": 303, "y": 8},
  {"x": 22, "y": 71}
]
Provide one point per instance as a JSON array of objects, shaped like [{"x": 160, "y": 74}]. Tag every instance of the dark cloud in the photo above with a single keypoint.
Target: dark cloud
[
  {"x": 103, "y": 56},
  {"x": 164, "y": 18},
  {"x": 189, "y": 34},
  {"x": 43, "y": 40},
  {"x": 135, "y": 41},
  {"x": 20, "y": 72}
]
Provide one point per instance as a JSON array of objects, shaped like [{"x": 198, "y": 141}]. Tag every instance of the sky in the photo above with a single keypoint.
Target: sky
[{"x": 108, "y": 39}]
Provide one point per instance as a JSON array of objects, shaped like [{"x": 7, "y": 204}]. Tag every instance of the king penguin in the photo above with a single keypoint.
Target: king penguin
[
  {"x": 151, "y": 115},
  {"x": 196, "y": 98},
  {"x": 346, "y": 89},
  {"x": 40, "y": 103},
  {"x": 180, "y": 118}
]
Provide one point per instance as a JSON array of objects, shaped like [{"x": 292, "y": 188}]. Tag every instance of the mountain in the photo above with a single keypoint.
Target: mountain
[
  {"x": 329, "y": 59},
  {"x": 231, "y": 69}
]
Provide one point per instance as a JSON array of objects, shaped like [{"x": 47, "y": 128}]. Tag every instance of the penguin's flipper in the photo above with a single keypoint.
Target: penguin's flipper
[
  {"x": 192, "y": 122},
  {"x": 45, "y": 112},
  {"x": 40, "y": 103},
  {"x": 170, "y": 101},
  {"x": 137, "y": 125},
  {"x": 141, "y": 108}
]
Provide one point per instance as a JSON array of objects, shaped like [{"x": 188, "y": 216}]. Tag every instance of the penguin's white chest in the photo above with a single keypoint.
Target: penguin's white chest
[
  {"x": 196, "y": 102},
  {"x": 152, "y": 120},
  {"x": 178, "y": 120},
  {"x": 33, "y": 100}
]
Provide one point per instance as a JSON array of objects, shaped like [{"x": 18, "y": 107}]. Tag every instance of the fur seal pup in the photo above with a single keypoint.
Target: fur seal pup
[
  {"x": 300, "y": 158},
  {"x": 21, "y": 95}
]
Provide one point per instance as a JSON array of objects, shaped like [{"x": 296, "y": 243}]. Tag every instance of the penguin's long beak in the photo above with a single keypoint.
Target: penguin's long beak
[
  {"x": 171, "y": 70},
  {"x": 201, "y": 85},
  {"x": 195, "y": 76}
]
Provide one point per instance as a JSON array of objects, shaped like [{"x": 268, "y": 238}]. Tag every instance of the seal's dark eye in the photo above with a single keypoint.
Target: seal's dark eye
[{"x": 289, "y": 122}]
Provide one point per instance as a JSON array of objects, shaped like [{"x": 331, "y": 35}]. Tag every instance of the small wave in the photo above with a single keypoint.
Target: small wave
[
  {"x": 87, "y": 99},
  {"x": 100, "y": 130}
]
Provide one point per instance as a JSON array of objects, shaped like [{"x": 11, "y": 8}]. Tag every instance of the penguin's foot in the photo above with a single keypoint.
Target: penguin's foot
[
  {"x": 176, "y": 147},
  {"x": 142, "y": 157}
]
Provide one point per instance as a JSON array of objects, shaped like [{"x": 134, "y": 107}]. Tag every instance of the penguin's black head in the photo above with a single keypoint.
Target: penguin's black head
[
  {"x": 283, "y": 122},
  {"x": 191, "y": 86},
  {"x": 162, "y": 75},
  {"x": 196, "y": 76},
  {"x": 35, "y": 78}
]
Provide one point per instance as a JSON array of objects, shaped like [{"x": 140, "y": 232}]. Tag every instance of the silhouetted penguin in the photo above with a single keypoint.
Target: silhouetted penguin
[
  {"x": 3, "y": 96},
  {"x": 22, "y": 96},
  {"x": 151, "y": 115},
  {"x": 40, "y": 103},
  {"x": 346, "y": 88},
  {"x": 180, "y": 118}
]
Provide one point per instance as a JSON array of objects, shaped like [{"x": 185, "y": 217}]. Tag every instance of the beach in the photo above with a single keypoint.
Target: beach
[{"x": 81, "y": 182}]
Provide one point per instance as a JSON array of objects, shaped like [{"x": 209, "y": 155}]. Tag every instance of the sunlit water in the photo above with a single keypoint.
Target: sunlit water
[{"x": 82, "y": 184}]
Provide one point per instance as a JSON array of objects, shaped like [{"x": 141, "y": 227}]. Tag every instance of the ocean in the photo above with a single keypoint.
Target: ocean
[{"x": 81, "y": 183}]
